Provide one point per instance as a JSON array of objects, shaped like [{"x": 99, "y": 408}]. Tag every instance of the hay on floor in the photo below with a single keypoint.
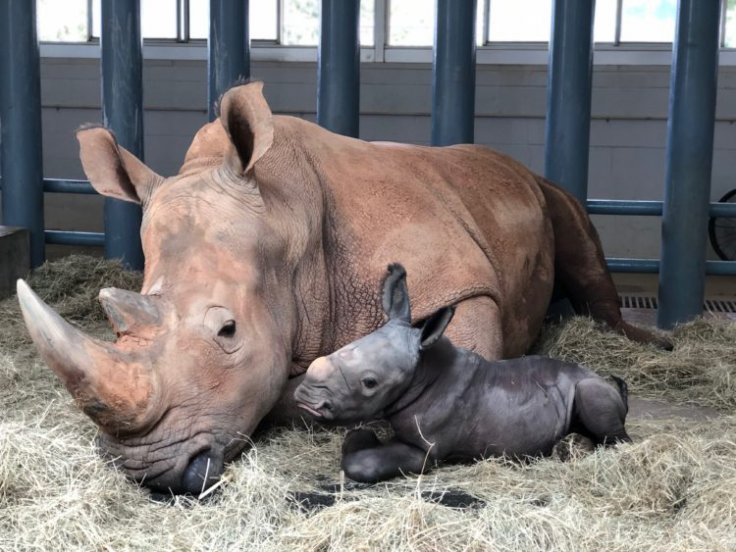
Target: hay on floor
[{"x": 674, "y": 488}]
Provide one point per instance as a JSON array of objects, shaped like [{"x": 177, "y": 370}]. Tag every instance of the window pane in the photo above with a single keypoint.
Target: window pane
[
  {"x": 262, "y": 19},
  {"x": 199, "y": 18},
  {"x": 158, "y": 18},
  {"x": 367, "y": 11},
  {"x": 514, "y": 21},
  {"x": 480, "y": 17},
  {"x": 301, "y": 22},
  {"x": 730, "y": 38},
  {"x": 604, "y": 28},
  {"x": 411, "y": 22},
  {"x": 648, "y": 20},
  {"x": 62, "y": 20}
]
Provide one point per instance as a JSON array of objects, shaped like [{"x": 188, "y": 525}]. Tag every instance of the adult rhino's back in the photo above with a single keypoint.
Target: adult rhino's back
[{"x": 465, "y": 220}]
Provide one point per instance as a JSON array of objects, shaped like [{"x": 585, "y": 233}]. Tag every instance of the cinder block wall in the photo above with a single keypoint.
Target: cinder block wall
[{"x": 628, "y": 132}]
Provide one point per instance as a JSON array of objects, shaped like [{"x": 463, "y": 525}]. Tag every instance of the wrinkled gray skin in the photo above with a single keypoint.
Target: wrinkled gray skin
[{"x": 448, "y": 403}]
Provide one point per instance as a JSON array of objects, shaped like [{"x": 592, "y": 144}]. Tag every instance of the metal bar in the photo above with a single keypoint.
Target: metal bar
[
  {"x": 179, "y": 22},
  {"x": 380, "y": 30},
  {"x": 652, "y": 266},
  {"x": 567, "y": 133},
  {"x": 338, "y": 66},
  {"x": 487, "y": 22},
  {"x": 723, "y": 16},
  {"x": 228, "y": 49},
  {"x": 67, "y": 237},
  {"x": 63, "y": 186},
  {"x": 280, "y": 22},
  {"x": 650, "y": 208},
  {"x": 619, "y": 17},
  {"x": 689, "y": 155},
  {"x": 186, "y": 20},
  {"x": 453, "y": 73},
  {"x": 623, "y": 207},
  {"x": 643, "y": 266},
  {"x": 90, "y": 20},
  {"x": 20, "y": 119},
  {"x": 724, "y": 210},
  {"x": 122, "y": 112},
  {"x": 720, "y": 268}
]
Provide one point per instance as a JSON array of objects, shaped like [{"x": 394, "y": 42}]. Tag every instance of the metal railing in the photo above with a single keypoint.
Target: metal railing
[{"x": 594, "y": 207}]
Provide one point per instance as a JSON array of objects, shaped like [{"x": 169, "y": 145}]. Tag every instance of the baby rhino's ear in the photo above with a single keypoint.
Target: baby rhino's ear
[
  {"x": 395, "y": 294},
  {"x": 435, "y": 326}
]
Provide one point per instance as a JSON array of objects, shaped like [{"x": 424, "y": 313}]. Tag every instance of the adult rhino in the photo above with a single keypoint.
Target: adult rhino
[{"x": 264, "y": 252}]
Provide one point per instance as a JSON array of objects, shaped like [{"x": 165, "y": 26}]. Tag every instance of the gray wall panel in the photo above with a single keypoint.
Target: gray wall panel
[{"x": 628, "y": 132}]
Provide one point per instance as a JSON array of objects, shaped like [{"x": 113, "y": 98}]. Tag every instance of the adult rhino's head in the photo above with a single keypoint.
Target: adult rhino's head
[
  {"x": 366, "y": 378},
  {"x": 203, "y": 352}
]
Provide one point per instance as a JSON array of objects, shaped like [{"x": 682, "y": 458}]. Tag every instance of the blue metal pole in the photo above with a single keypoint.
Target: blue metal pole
[
  {"x": 20, "y": 119},
  {"x": 338, "y": 87},
  {"x": 570, "y": 72},
  {"x": 122, "y": 112},
  {"x": 228, "y": 55},
  {"x": 689, "y": 157},
  {"x": 453, "y": 73}
]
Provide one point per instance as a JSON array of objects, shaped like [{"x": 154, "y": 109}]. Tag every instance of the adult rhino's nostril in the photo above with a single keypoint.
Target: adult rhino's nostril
[
  {"x": 203, "y": 472},
  {"x": 327, "y": 405}
]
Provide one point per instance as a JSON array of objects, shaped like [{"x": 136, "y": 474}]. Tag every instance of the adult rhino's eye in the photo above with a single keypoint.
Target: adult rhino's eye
[
  {"x": 227, "y": 330},
  {"x": 369, "y": 382}
]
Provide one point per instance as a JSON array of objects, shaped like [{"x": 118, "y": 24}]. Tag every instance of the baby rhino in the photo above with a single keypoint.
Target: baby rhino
[{"x": 445, "y": 403}]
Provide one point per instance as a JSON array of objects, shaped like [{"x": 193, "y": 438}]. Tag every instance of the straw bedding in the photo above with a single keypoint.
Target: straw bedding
[{"x": 674, "y": 488}]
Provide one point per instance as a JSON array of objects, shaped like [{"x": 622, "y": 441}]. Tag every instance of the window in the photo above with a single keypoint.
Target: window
[
  {"x": 729, "y": 23},
  {"x": 529, "y": 21},
  {"x": 408, "y": 23},
  {"x": 411, "y": 22},
  {"x": 158, "y": 18},
  {"x": 262, "y": 19},
  {"x": 62, "y": 21},
  {"x": 648, "y": 20},
  {"x": 301, "y": 19}
]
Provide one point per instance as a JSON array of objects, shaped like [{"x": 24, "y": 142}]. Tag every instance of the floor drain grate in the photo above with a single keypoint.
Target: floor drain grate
[{"x": 649, "y": 302}]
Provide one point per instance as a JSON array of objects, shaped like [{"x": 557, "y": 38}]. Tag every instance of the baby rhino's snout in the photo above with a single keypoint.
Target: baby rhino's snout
[{"x": 313, "y": 394}]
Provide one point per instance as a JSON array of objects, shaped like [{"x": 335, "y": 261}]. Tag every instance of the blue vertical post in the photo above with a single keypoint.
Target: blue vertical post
[
  {"x": 453, "y": 73},
  {"x": 20, "y": 119},
  {"x": 228, "y": 55},
  {"x": 338, "y": 86},
  {"x": 689, "y": 157},
  {"x": 122, "y": 112},
  {"x": 569, "y": 82}
]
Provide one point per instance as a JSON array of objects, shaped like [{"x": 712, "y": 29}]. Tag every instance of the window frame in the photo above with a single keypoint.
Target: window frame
[{"x": 490, "y": 52}]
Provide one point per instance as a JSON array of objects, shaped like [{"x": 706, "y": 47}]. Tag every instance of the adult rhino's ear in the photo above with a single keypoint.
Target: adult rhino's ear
[
  {"x": 434, "y": 327},
  {"x": 395, "y": 295},
  {"x": 112, "y": 170},
  {"x": 248, "y": 121}
]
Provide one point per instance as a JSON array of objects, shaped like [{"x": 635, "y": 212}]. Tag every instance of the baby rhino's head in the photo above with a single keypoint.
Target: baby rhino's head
[{"x": 359, "y": 381}]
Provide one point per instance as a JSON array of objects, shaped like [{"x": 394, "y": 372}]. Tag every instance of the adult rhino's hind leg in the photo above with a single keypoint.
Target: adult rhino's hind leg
[
  {"x": 599, "y": 412},
  {"x": 580, "y": 266}
]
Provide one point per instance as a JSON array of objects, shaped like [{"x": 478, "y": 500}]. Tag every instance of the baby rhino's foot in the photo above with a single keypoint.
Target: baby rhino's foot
[{"x": 359, "y": 439}]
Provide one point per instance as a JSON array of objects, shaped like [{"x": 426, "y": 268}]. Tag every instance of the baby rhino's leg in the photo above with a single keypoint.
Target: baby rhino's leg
[
  {"x": 600, "y": 412},
  {"x": 376, "y": 463}
]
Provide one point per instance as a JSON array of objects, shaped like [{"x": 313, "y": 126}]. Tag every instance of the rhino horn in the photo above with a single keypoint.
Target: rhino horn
[
  {"x": 111, "y": 386},
  {"x": 128, "y": 310}
]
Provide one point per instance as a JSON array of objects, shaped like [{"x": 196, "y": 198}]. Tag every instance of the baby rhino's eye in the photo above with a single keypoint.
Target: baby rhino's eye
[{"x": 369, "y": 382}]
